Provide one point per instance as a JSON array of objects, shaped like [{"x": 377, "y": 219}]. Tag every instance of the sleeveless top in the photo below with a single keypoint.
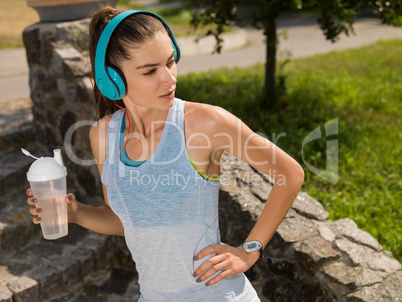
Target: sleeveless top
[{"x": 169, "y": 210}]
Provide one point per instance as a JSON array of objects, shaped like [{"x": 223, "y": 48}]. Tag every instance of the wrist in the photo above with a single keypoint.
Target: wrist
[
  {"x": 253, "y": 246},
  {"x": 74, "y": 213},
  {"x": 251, "y": 257}
]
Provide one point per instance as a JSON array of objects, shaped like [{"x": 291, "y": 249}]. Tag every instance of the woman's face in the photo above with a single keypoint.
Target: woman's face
[{"x": 151, "y": 73}]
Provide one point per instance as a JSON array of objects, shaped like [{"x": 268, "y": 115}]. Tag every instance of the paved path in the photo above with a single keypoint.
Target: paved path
[{"x": 304, "y": 38}]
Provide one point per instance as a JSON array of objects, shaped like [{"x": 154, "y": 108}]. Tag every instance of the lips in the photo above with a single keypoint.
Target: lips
[{"x": 169, "y": 94}]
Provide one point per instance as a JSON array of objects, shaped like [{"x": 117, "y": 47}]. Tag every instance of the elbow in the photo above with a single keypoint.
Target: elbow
[
  {"x": 298, "y": 175},
  {"x": 302, "y": 176},
  {"x": 294, "y": 177}
]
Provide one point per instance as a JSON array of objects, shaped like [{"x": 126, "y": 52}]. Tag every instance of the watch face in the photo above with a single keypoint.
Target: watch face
[{"x": 252, "y": 246}]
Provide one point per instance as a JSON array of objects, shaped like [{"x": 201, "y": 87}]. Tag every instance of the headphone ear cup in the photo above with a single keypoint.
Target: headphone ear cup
[
  {"x": 107, "y": 87},
  {"x": 118, "y": 80}
]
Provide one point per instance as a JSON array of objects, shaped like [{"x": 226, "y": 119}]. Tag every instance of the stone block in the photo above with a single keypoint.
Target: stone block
[
  {"x": 86, "y": 260},
  {"x": 383, "y": 262},
  {"x": 14, "y": 235},
  {"x": 30, "y": 37},
  {"x": 5, "y": 294},
  {"x": 103, "y": 246},
  {"x": 251, "y": 207},
  {"x": 40, "y": 251},
  {"x": 69, "y": 268},
  {"x": 326, "y": 233},
  {"x": 84, "y": 91},
  {"x": 5, "y": 274},
  {"x": 296, "y": 229},
  {"x": 77, "y": 68},
  {"x": 74, "y": 33},
  {"x": 390, "y": 290},
  {"x": 348, "y": 228},
  {"x": 24, "y": 289},
  {"x": 343, "y": 277},
  {"x": 49, "y": 279},
  {"x": 369, "y": 277},
  {"x": 261, "y": 189},
  {"x": 356, "y": 253},
  {"x": 309, "y": 207},
  {"x": 10, "y": 269},
  {"x": 14, "y": 166},
  {"x": 314, "y": 252},
  {"x": 60, "y": 54}
]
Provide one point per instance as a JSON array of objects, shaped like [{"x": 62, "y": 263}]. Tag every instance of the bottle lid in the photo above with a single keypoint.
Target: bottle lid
[{"x": 46, "y": 168}]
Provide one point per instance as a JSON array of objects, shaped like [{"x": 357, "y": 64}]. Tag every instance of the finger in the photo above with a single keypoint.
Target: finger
[
  {"x": 206, "y": 266},
  {"x": 211, "y": 249},
  {"x": 32, "y": 201},
  {"x": 37, "y": 220},
  {"x": 35, "y": 211},
  {"x": 219, "y": 267},
  {"x": 218, "y": 278},
  {"x": 29, "y": 192}
]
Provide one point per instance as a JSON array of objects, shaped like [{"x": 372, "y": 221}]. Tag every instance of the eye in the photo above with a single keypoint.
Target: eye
[
  {"x": 170, "y": 64},
  {"x": 150, "y": 72}
]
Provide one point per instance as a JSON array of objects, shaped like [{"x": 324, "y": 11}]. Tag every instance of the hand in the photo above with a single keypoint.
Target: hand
[
  {"x": 72, "y": 207},
  {"x": 229, "y": 260}
]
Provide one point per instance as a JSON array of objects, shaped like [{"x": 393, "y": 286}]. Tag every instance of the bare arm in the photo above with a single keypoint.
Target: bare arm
[
  {"x": 266, "y": 157},
  {"x": 98, "y": 219}
]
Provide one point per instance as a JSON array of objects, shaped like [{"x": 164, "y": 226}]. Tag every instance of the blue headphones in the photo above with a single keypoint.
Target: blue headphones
[{"x": 109, "y": 79}]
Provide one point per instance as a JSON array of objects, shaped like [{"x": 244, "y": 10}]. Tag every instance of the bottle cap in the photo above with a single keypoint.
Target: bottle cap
[{"x": 47, "y": 168}]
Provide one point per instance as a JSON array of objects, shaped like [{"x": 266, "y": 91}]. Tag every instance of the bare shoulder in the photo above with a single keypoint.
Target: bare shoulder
[
  {"x": 98, "y": 138},
  {"x": 205, "y": 117},
  {"x": 100, "y": 127}
]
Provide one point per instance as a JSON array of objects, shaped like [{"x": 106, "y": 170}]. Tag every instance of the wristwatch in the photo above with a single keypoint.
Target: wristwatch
[{"x": 252, "y": 246}]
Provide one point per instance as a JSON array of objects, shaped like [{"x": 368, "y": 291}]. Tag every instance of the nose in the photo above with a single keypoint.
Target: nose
[{"x": 169, "y": 76}]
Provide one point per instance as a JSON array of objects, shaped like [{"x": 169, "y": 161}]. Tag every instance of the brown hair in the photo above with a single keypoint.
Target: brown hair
[{"x": 131, "y": 32}]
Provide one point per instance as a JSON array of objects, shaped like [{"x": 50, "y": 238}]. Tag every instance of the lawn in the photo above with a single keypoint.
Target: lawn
[
  {"x": 18, "y": 16},
  {"x": 363, "y": 89},
  {"x": 15, "y": 16}
]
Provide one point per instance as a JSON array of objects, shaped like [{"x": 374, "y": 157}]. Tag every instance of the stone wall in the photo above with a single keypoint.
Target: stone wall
[
  {"x": 309, "y": 258},
  {"x": 61, "y": 91}
]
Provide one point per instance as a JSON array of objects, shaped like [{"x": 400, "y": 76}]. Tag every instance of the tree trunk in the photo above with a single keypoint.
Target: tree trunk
[{"x": 271, "y": 42}]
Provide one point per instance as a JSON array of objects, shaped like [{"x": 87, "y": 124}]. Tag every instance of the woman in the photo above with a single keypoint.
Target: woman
[{"x": 159, "y": 161}]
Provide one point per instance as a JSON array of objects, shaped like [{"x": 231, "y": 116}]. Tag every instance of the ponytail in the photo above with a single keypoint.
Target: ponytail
[{"x": 104, "y": 106}]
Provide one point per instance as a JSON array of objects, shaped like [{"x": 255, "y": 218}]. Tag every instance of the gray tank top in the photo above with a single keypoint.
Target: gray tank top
[{"x": 169, "y": 210}]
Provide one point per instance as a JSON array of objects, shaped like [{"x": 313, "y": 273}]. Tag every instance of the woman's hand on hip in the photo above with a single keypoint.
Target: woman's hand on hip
[{"x": 228, "y": 260}]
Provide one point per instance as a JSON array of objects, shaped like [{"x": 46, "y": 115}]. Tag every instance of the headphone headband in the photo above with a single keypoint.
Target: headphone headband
[{"x": 107, "y": 78}]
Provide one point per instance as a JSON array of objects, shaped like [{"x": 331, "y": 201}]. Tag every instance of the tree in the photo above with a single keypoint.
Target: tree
[{"x": 334, "y": 17}]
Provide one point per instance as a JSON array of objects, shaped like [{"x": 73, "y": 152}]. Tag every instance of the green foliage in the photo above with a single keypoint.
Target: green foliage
[
  {"x": 390, "y": 11},
  {"x": 129, "y": 4},
  {"x": 178, "y": 18},
  {"x": 334, "y": 17},
  {"x": 361, "y": 88}
]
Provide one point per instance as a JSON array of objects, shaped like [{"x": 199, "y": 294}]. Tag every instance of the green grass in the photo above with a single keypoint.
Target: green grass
[{"x": 360, "y": 87}]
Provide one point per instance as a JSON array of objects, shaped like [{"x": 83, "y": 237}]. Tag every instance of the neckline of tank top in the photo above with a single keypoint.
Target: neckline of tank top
[
  {"x": 123, "y": 155},
  {"x": 148, "y": 161}
]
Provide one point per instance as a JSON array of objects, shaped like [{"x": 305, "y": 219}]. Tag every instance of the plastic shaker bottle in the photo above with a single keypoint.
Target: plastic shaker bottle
[{"x": 47, "y": 178}]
